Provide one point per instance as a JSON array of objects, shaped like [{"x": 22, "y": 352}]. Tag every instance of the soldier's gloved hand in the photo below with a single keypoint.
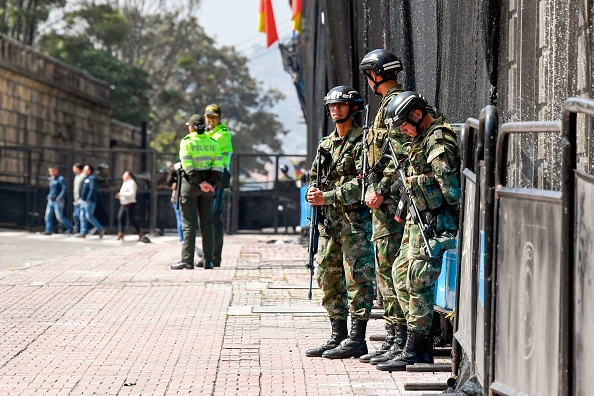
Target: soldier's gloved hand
[
  {"x": 432, "y": 250},
  {"x": 438, "y": 246}
]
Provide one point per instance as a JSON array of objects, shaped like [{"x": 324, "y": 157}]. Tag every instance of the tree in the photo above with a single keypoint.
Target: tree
[
  {"x": 138, "y": 44},
  {"x": 93, "y": 34},
  {"x": 20, "y": 19}
]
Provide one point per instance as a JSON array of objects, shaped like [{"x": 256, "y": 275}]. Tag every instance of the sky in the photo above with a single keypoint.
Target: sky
[{"x": 234, "y": 23}]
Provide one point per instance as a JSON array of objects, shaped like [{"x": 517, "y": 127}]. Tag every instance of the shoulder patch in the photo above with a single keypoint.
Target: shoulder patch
[{"x": 436, "y": 152}]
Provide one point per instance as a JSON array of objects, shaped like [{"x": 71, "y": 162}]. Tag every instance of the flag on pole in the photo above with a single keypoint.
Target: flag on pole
[
  {"x": 296, "y": 15},
  {"x": 266, "y": 22}
]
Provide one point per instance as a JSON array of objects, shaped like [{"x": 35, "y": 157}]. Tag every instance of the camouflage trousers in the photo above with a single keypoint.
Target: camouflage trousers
[
  {"x": 346, "y": 274},
  {"x": 386, "y": 252},
  {"x": 414, "y": 280}
]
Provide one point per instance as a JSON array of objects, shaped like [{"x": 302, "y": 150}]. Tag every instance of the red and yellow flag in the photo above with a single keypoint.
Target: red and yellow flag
[
  {"x": 296, "y": 15},
  {"x": 266, "y": 22}
]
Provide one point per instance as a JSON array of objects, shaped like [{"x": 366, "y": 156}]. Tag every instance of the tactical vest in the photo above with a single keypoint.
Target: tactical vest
[
  {"x": 378, "y": 133},
  {"x": 437, "y": 183}
]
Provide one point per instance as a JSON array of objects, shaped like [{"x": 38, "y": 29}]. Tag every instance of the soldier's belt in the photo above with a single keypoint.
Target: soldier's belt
[{"x": 354, "y": 208}]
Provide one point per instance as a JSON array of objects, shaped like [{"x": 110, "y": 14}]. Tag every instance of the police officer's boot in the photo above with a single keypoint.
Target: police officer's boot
[
  {"x": 385, "y": 347},
  {"x": 354, "y": 346},
  {"x": 339, "y": 333},
  {"x": 397, "y": 346},
  {"x": 418, "y": 349}
]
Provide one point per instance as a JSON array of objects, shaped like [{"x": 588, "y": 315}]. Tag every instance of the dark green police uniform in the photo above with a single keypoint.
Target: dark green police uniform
[
  {"x": 200, "y": 158},
  {"x": 222, "y": 136}
]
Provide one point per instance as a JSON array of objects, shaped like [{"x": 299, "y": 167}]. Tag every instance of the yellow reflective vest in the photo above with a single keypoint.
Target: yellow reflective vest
[
  {"x": 198, "y": 152},
  {"x": 222, "y": 136}
]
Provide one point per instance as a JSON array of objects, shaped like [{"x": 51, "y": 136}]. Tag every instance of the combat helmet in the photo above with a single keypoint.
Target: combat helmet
[
  {"x": 401, "y": 106},
  {"x": 344, "y": 93},
  {"x": 383, "y": 63}
]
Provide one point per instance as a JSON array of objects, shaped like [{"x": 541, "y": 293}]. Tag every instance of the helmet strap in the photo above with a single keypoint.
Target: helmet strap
[
  {"x": 342, "y": 120},
  {"x": 417, "y": 124},
  {"x": 345, "y": 119},
  {"x": 377, "y": 84}
]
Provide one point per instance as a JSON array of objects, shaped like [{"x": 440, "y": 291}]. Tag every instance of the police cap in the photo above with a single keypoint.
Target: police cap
[{"x": 212, "y": 109}]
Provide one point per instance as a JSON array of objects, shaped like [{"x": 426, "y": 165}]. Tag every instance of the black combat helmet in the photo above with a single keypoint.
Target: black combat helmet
[
  {"x": 401, "y": 106},
  {"x": 343, "y": 93},
  {"x": 383, "y": 63}
]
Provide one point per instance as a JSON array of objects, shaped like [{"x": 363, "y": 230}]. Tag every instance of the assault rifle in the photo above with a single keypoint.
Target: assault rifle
[
  {"x": 364, "y": 157},
  {"x": 314, "y": 232},
  {"x": 388, "y": 154}
]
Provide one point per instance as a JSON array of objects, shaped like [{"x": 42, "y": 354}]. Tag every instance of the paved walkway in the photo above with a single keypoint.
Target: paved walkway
[{"x": 118, "y": 321}]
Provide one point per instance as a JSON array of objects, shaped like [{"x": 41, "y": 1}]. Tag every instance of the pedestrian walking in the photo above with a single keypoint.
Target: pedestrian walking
[
  {"x": 345, "y": 252},
  {"x": 56, "y": 198},
  {"x": 127, "y": 211},
  {"x": 172, "y": 182},
  {"x": 202, "y": 166},
  {"x": 381, "y": 67},
  {"x": 88, "y": 196},
  {"x": 433, "y": 178},
  {"x": 221, "y": 134},
  {"x": 79, "y": 176}
]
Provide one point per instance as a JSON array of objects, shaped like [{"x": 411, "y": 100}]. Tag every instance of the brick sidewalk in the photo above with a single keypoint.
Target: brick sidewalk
[{"x": 118, "y": 321}]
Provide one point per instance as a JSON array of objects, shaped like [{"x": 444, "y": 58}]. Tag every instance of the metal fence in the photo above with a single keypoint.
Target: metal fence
[
  {"x": 262, "y": 197},
  {"x": 525, "y": 275}
]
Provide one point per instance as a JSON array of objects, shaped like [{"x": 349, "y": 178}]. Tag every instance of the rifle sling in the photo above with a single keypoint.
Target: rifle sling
[{"x": 342, "y": 153}]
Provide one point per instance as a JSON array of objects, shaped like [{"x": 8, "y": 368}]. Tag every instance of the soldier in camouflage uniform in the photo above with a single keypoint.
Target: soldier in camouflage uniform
[
  {"x": 433, "y": 177},
  {"x": 381, "y": 68},
  {"x": 345, "y": 253}
]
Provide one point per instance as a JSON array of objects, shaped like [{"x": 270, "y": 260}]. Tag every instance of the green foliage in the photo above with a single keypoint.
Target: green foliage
[
  {"x": 165, "y": 142},
  {"x": 90, "y": 50},
  {"x": 102, "y": 24},
  {"x": 20, "y": 20},
  {"x": 163, "y": 67}
]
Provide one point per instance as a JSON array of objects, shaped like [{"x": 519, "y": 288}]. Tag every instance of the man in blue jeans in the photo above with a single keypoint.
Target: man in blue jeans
[
  {"x": 88, "y": 196},
  {"x": 79, "y": 176},
  {"x": 55, "y": 202}
]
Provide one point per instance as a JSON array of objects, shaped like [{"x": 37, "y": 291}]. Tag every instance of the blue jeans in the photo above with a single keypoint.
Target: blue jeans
[
  {"x": 76, "y": 217},
  {"x": 177, "y": 211},
  {"x": 87, "y": 214},
  {"x": 57, "y": 208}
]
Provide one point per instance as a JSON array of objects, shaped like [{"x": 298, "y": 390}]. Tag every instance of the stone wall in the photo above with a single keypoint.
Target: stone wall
[{"x": 50, "y": 108}]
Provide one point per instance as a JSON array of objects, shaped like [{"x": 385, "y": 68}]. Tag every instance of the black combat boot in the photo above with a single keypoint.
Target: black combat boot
[
  {"x": 418, "y": 349},
  {"x": 397, "y": 346},
  {"x": 385, "y": 347},
  {"x": 339, "y": 333},
  {"x": 354, "y": 346}
]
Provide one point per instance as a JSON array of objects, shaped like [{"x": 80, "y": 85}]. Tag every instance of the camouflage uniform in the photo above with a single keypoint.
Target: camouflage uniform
[
  {"x": 433, "y": 177},
  {"x": 345, "y": 252},
  {"x": 387, "y": 232}
]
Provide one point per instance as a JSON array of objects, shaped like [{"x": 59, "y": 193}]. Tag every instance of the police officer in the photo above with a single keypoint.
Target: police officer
[
  {"x": 381, "y": 68},
  {"x": 433, "y": 177},
  {"x": 202, "y": 166},
  {"x": 220, "y": 133},
  {"x": 345, "y": 252}
]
